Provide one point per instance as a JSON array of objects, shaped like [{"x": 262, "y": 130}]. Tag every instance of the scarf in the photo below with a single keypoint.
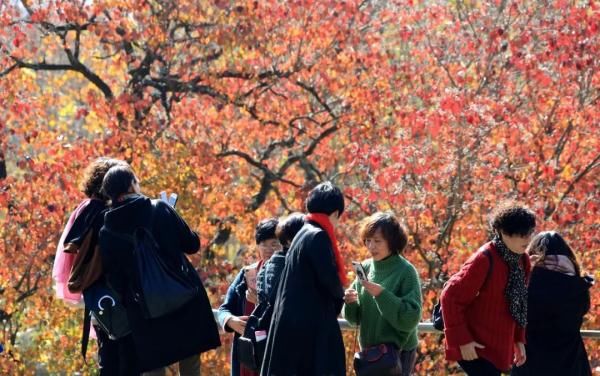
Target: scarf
[
  {"x": 557, "y": 263},
  {"x": 63, "y": 261},
  {"x": 516, "y": 290},
  {"x": 323, "y": 221}
]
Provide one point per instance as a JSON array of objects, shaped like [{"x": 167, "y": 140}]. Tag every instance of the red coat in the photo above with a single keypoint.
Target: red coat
[{"x": 478, "y": 311}]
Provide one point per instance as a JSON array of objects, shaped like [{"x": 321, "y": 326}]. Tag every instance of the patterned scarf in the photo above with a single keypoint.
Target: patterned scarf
[
  {"x": 557, "y": 263},
  {"x": 516, "y": 290}
]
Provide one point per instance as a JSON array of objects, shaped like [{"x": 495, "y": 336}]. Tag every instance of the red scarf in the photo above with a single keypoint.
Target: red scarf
[{"x": 323, "y": 221}]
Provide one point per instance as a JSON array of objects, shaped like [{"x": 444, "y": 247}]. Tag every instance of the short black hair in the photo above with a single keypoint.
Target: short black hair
[
  {"x": 513, "y": 219},
  {"x": 289, "y": 227},
  {"x": 117, "y": 181},
  {"x": 325, "y": 198},
  {"x": 391, "y": 230},
  {"x": 265, "y": 230}
]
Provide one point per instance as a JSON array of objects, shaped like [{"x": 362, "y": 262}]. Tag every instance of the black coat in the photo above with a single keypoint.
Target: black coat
[
  {"x": 556, "y": 305},
  {"x": 304, "y": 337},
  {"x": 188, "y": 331}
]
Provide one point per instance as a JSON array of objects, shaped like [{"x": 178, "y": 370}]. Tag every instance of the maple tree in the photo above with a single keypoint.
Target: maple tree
[{"x": 436, "y": 110}]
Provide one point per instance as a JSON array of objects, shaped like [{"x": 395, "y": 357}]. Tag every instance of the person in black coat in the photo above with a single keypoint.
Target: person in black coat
[
  {"x": 304, "y": 337},
  {"x": 558, "y": 299},
  {"x": 178, "y": 335}
]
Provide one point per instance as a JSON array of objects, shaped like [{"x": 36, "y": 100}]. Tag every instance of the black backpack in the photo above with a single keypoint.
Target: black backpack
[
  {"x": 436, "y": 316},
  {"x": 158, "y": 288}
]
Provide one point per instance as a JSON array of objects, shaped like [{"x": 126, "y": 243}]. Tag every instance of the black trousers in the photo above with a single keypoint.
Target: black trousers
[
  {"x": 479, "y": 367},
  {"x": 116, "y": 357}
]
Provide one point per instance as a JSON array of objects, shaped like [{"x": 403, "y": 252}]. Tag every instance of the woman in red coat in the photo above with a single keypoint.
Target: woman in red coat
[{"x": 484, "y": 305}]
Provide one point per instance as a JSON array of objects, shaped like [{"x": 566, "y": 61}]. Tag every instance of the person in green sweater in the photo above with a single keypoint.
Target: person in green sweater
[{"x": 387, "y": 305}]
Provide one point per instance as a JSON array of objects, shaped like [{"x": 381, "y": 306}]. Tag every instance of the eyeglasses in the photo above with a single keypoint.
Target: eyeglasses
[{"x": 270, "y": 245}]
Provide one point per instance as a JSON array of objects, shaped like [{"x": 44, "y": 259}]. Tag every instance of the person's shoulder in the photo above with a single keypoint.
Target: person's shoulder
[
  {"x": 251, "y": 266},
  {"x": 160, "y": 205},
  {"x": 277, "y": 258},
  {"x": 311, "y": 228},
  {"x": 309, "y": 232},
  {"x": 485, "y": 252},
  {"x": 406, "y": 265}
]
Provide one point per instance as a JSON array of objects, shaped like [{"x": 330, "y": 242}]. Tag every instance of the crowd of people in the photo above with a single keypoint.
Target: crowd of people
[{"x": 515, "y": 306}]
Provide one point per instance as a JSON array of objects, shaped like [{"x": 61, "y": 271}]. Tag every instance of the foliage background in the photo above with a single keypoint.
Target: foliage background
[{"x": 437, "y": 110}]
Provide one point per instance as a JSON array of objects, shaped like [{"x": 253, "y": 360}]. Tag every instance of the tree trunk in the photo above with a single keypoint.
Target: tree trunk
[{"x": 2, "y": 167}]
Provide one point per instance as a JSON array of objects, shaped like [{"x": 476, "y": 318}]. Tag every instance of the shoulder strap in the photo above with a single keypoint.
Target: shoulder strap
[
  {"x": 491, "y": 259},
  {"x": 152, "y": 214},
  {"x": 131, "y": 238},
  {"x": 86, "y": 332}
]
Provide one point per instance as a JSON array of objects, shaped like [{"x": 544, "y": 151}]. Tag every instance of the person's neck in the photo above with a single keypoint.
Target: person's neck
[{"x": 127, "y": 196}]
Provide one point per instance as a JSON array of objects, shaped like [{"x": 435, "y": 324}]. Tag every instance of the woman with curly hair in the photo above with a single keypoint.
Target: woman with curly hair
[
  {"x": 484, "y": 305},
  {"x": 77, "y": 263}
]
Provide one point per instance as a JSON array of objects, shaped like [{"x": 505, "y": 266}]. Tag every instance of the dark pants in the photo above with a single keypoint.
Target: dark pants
[
  {"x": 479, "y": 367},
  {"x": 115, "y": 357},
  {"x": 187, "y": 367},
  {"x": 408, "y": 359}
]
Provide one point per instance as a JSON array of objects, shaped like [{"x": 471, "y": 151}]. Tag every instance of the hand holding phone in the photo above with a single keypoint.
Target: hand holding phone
[
  {"x": 360, "y": 272},
  {"x": 171, "y": 200}
]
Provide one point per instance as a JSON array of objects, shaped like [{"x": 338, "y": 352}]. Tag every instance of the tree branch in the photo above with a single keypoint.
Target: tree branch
[
  {"x": 78, "y": 67},
  {"x": 592, "y": 165}
]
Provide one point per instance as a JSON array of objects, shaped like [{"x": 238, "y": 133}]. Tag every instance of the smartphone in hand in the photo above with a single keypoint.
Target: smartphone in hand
[
  {"x": 171, "y": 200},
  {"x": 360, "y": 272}
]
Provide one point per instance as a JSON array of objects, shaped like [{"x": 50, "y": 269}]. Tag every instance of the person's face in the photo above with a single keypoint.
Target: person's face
[
  {"x": 135, "y": 186},
  {"x": 516, "y": 243},
  {"x": 378, "y": 246},
  {"x": 266, "y": 248}
]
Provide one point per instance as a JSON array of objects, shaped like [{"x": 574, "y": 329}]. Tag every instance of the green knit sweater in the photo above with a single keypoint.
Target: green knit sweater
[{"x": 392, "y": 316}]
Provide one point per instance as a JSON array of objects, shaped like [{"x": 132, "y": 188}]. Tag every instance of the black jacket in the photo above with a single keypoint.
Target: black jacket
[
  {"x": 304, "y": 337},
  {"x": 188, "y": 331},
  {"x": 556, "y": 305}
]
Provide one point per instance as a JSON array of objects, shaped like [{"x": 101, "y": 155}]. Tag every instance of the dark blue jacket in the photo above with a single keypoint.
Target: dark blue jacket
[{"x": 234, "y": 304}]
